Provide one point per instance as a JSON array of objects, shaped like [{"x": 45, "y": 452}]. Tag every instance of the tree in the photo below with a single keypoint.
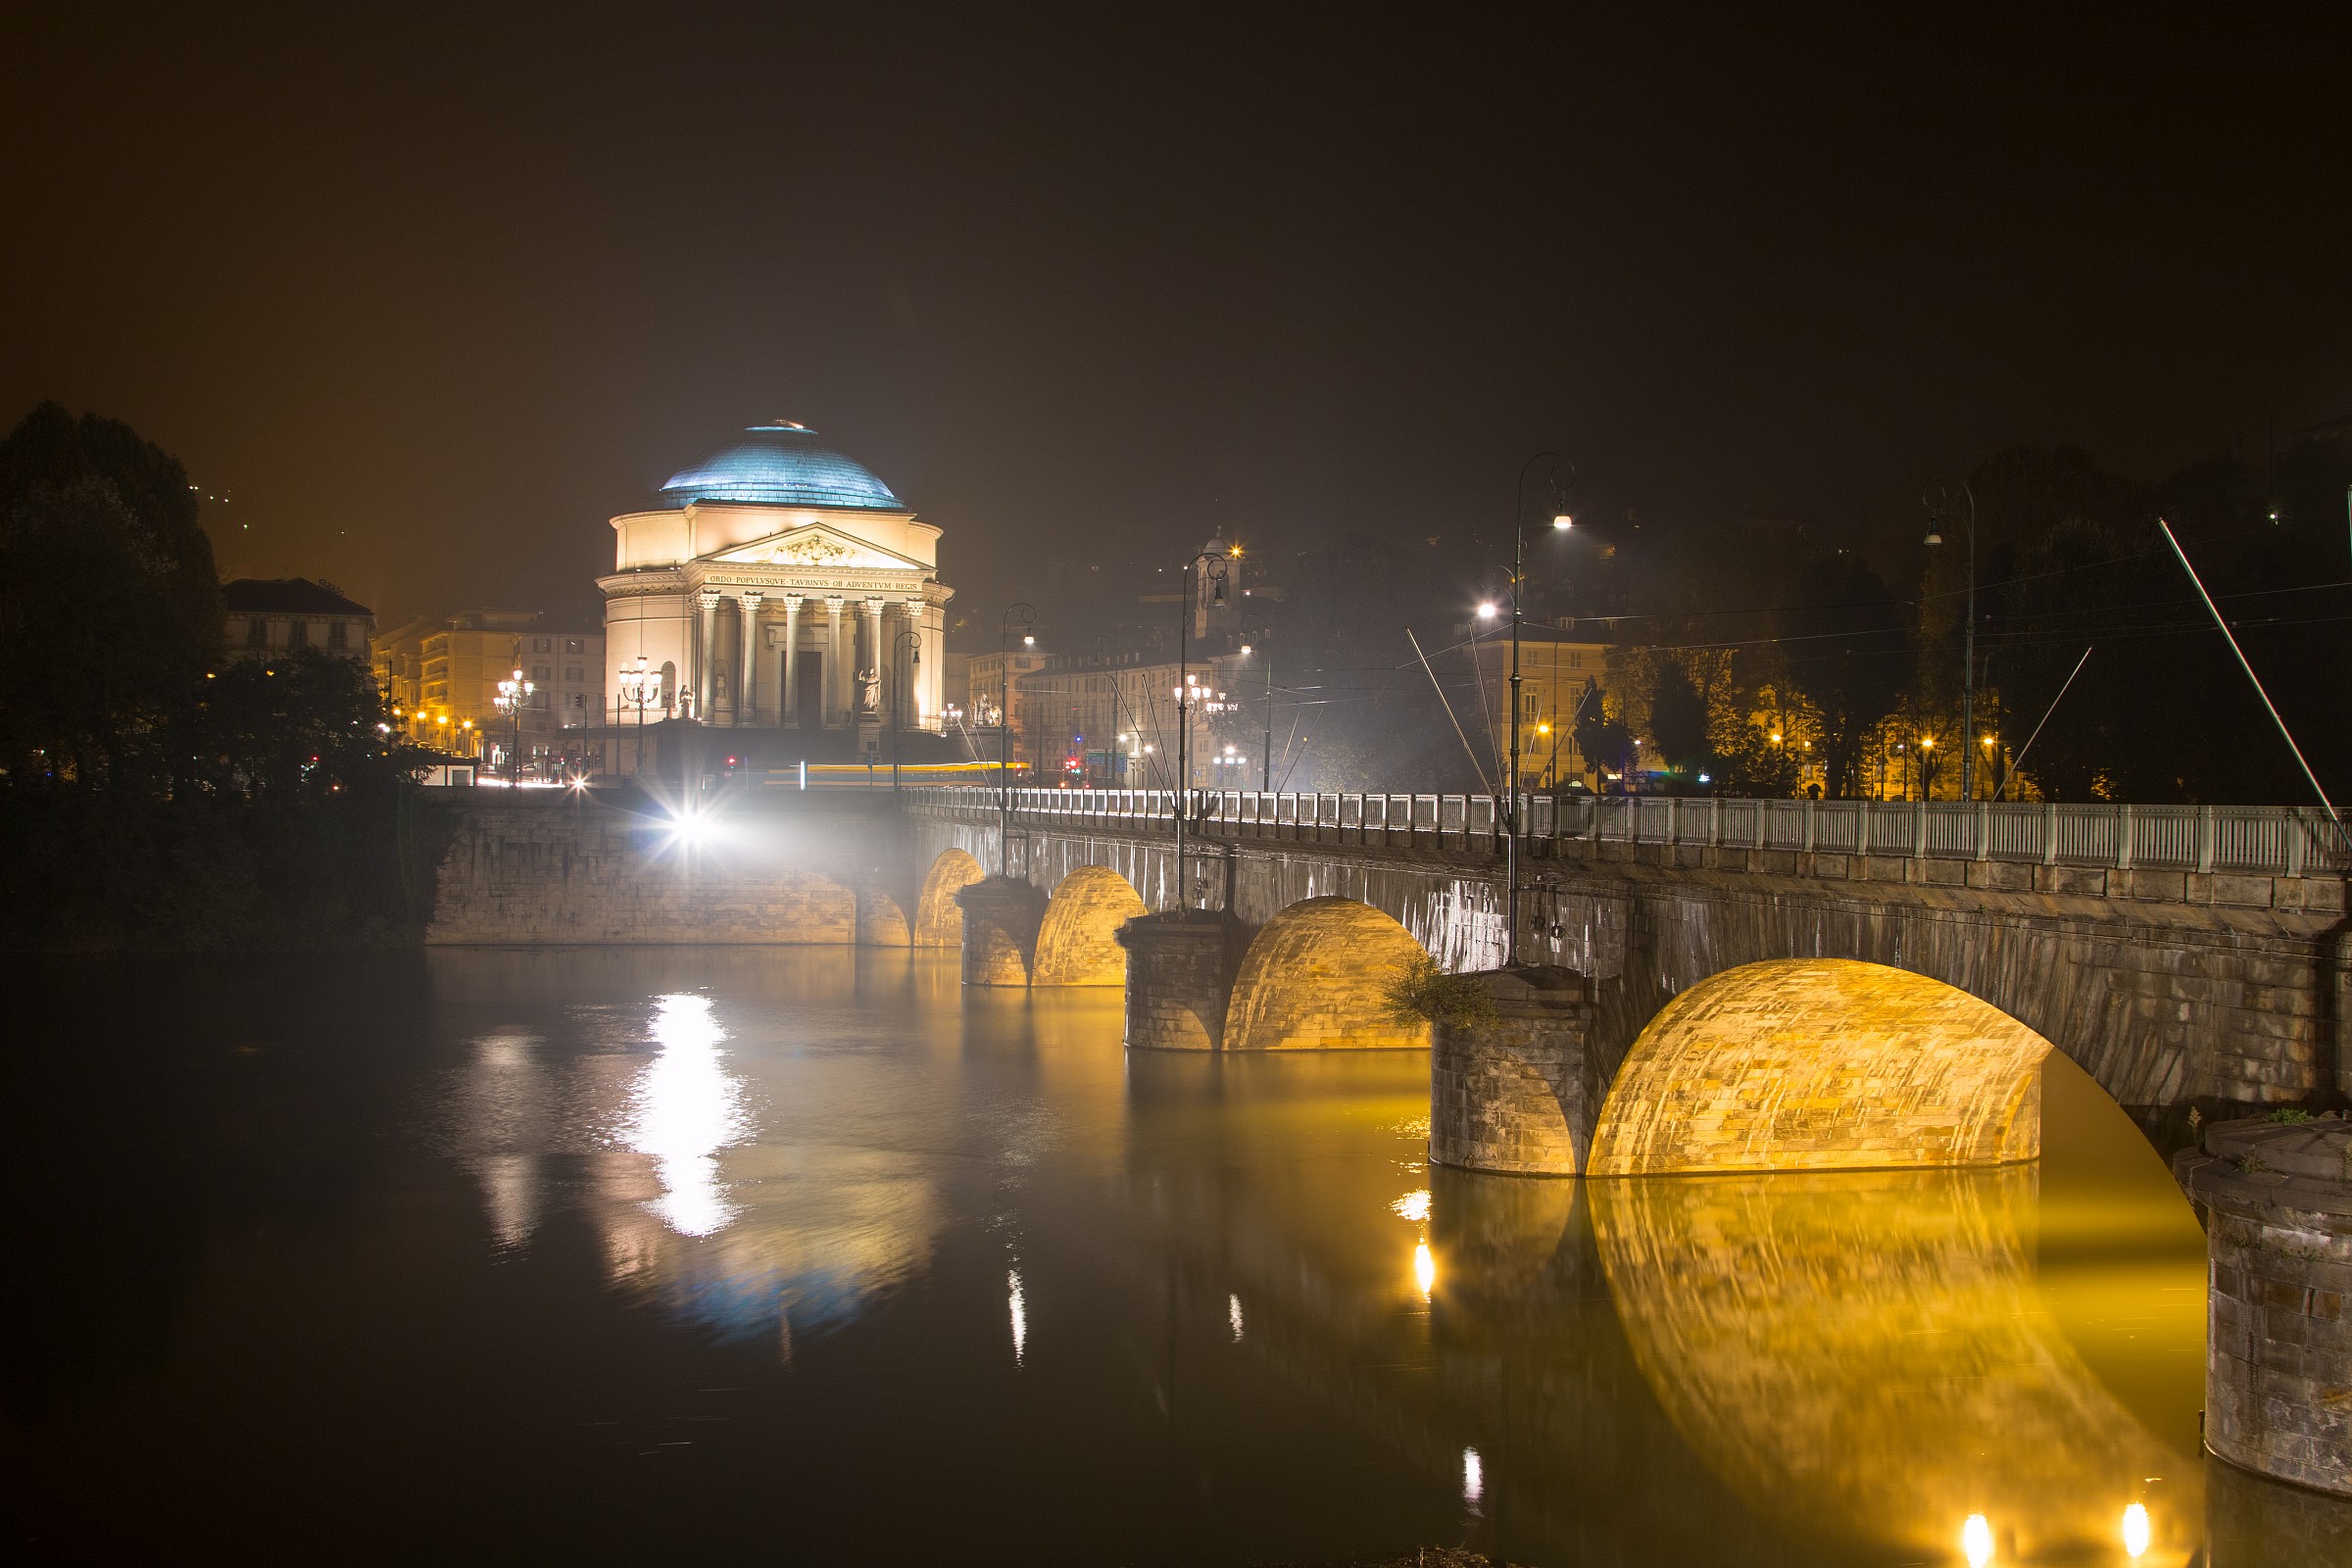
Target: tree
[
  {"x": 1844, "y": 643},
  {"x": 108, "y": 600}
]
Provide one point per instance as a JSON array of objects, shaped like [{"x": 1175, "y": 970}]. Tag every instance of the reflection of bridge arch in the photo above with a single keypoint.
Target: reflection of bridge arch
[
  {"x": 1077, "y": 942},
  {"x": 938, "y": 917},
  {"x": 1797, "y": 1329},
  {"x": 1821, "y": 1063},
  {"x": 1314, "y": 979}
]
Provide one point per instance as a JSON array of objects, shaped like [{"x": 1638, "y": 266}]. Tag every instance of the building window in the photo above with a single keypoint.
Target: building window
[
  {"x": 571, "y": 645},
  {"x": 1576, "y": 660},
  {"x": 538, "y": 699},
  {"x": 571, "y": 672},
  {"x": 256, "y": 634},
  {"x": 338, "y": 634},
  {"x": 538, "y": 645},
  {"x": 298, "y": 634},
  {"x": 538, "y": 672}
]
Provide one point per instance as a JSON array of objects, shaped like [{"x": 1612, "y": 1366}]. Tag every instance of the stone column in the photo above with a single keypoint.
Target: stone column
[
  {"x": 790, "y": 708},
  {"x": 2278, "y": 1202},
  {"x": 1515, "y": 1092},
  {"x": 706, "y": 651},
  {"x": 1001, "y": 918},
  {"x": 837, "y": 663},
  {"x": 747, "y": 687},
  {"x": 1180, "y": 971}
]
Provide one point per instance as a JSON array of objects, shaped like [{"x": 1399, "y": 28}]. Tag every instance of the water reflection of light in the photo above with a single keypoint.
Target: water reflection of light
[
  {"x": 2135, "y": 1530},
  {"x": 1020, "y": 1318},
  {"x": 1976, "y": 1540},
  {"x": 685, "y": 1108},
  {"x": 1233, "y": 1315},
  {"x": 1412, "y": 1205},
  {"x": 1425, "y": 1269},
  {"x": 1474, "y": 1477}
]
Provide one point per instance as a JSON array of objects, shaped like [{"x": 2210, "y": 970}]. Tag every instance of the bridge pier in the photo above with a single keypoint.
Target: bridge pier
[
  {"x": 2278, "y": 1203},
  {"x": 1180, "y": 973},
  {"x": 1001, "y": 921},
  {"x": 1520, "y": 1094}
]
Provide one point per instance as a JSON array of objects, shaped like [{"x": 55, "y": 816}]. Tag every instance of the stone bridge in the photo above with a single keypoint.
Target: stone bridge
[{"x": 1710, "y": 985}]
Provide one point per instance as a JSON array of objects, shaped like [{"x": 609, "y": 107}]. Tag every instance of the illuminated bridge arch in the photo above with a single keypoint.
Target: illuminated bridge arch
[
  {"x": 1077, "y": 943},
  {"x": 938, "y": 917},
  {"x": 1314, "y": 979},
  {"x": 1822, "y": 1064}
]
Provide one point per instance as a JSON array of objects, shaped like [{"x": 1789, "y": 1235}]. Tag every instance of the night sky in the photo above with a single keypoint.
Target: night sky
[{"x": 431, "y": 294}]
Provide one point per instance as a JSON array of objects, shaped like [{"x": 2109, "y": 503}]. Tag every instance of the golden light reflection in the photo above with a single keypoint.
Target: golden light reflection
[
  {"x": 1020, "y": 1318},
  {"x": 1976, "y": 1540},
  {"x": 2137, "y": 1534},
  {"x": 687, "y": 1107},
  {"x": 1425, "y": 1270},
  {"x": 1412, "y": 1205},
  {"x": 1233, "y": 1315},
  {"x": 1474, "y": 1477},
  {"x": 1866, "y": 1357}
]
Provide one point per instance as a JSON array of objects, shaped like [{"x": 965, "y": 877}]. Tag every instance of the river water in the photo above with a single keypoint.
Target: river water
[{"x": 811, "y": 1253}]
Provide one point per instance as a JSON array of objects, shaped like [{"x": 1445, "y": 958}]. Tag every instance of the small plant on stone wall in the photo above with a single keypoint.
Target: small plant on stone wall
[
  {"x": 2289, "y": 1114},
  {"x": 2253, "y": 1165},
  {"x": 1423, "y": 993}
]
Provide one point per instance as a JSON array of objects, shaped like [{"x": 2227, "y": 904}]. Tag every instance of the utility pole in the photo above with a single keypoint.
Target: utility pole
[
  {"x": 1027, "y": 615},
  {"x": 1510, "y": 815},
  {"x": 1968, "y": 641}
]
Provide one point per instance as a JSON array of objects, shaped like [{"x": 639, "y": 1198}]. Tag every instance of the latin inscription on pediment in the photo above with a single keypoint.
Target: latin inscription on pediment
[{"x": 818, "y": 550}]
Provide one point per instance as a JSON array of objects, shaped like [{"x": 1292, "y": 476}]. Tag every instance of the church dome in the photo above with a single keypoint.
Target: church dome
[{"x": 781, "y": 465}]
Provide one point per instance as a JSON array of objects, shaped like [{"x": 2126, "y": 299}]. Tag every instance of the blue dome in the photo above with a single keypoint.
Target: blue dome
[{"x": 781, "y": 465}]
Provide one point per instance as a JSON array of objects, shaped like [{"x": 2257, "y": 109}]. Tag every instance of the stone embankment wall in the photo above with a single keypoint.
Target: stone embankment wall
[{"x": 539, "y": 869}]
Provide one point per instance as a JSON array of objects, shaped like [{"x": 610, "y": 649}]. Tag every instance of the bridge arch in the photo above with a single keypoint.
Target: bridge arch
[
  {"x": 1077, "y": 942},
  {"x": 938, "y": 917},
  {"x": 1822, "y": 1064},
  {"x": 1315, "y": 978}
]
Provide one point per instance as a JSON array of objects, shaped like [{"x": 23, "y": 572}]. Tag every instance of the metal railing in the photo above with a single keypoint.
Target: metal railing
[{"x": 2246, "y": 839}]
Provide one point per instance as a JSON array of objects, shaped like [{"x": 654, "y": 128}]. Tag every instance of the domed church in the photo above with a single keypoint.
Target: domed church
[{"x": 779, "y": 585}]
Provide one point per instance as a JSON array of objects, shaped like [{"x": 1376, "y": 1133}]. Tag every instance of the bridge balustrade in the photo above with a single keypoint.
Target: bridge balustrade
[{"x": 2273, "y": 841}]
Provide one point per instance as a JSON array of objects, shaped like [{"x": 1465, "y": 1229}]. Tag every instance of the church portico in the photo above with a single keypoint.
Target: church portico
[{"x": 788, "y": 588}]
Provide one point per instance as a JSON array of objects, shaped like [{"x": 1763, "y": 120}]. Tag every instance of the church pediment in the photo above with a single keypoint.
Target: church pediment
[{"x": 818, "y": 549}]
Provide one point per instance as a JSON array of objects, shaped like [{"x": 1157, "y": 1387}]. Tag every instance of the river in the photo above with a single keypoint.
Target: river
[{"x": 811, "y": 1253}]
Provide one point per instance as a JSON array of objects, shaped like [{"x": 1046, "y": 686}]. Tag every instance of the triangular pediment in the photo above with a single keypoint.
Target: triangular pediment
[{"x": 819, "y": 549}]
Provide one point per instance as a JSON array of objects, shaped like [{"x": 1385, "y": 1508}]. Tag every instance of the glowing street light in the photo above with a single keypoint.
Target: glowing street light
[
  {"x": 1486, "y": 609},
  {"x": 513, "y": 695},
  {"x": 641, "y": 688}
]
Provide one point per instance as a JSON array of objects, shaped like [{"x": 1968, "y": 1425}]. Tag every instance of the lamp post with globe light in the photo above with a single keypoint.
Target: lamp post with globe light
[
  {"x": 513, "y": 693},
  {"x": 640, "y": 688},
  {"x": 1209, "y": 566}
]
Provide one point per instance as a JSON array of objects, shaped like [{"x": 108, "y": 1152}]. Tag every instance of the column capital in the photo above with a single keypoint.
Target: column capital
[
  {"x": 873, "y": 606},
  {"x": 708, "y": 598},
  {"x": 752, "y": 598},
  {"x": 793, "y": 602}
]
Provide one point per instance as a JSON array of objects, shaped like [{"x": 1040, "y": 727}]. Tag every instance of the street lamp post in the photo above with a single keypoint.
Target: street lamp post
[
  {"x": 1942, "y": 505},
  {"x": 640, "y": 688},
  {"x": 513, "y": 694},
  {"x": 1026, "y": 614},
  {"x": 898, "y": 697},
  {"x": 1511, "y": 824},
  {"x": 1207, "y": 563}
]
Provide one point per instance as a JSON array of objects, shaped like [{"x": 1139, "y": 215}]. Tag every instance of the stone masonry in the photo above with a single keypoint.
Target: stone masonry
[
  {"x": 1517, "y": 1094},
  {"x": 2277, "y": 1204}
]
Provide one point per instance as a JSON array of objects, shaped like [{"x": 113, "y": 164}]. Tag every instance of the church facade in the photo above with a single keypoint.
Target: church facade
[{"x": 779, "y": 585}]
